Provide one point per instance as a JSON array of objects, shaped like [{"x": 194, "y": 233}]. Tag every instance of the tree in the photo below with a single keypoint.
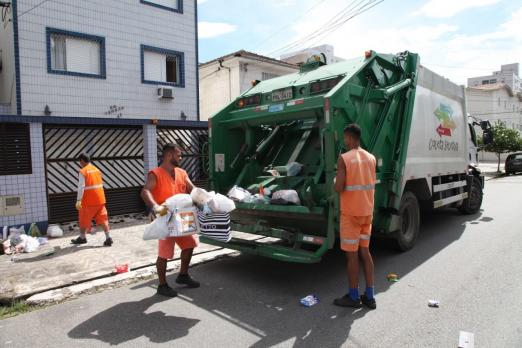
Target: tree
[{"x": 504, "y": 140}]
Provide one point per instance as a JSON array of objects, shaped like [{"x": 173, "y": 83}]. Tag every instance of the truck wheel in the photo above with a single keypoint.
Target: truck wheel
[
  {"x": 410, "y": 222},
  {"x": 471, "y": 205}
]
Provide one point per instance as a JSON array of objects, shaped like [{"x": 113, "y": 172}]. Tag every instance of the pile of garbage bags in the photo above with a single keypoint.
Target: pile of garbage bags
[
  {"x": 15, "y": 240},
  {"x": 265, "y": 196},
  {"x": 201, "y": 212}
]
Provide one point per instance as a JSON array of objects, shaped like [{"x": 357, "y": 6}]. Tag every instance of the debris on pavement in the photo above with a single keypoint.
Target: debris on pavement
[
  {"x": 124, "y": 268},
  {"x": 309, "y": 301},
  {"x": 466, "y": 339},
  {"x": 433, "y": 303},
  {"x": 392, "y": 277}
]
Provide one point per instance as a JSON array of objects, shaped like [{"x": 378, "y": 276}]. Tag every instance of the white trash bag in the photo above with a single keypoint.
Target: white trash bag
[
  {"x": 157, "y": 229},
  {"x": 285, "y": 197},
  {"x": 221, "y": 204},
  {"x": 179, "y": 202},
  {"x": 200, "y": 196},
  {"x": 238, "y": 194}
]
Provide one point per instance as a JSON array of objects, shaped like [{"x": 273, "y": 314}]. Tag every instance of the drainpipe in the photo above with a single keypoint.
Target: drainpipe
[{"x": 229, "y": 79}]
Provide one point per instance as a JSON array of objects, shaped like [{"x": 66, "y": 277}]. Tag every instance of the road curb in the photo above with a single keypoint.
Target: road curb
[{"x": 73, "y": 291}]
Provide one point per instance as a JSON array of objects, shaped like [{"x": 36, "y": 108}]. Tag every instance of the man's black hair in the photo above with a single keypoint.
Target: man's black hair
[
  {"x": 170, "y": 147},
  {"x": 85, "y": 158},
  {"x": 354, "y": 130}
]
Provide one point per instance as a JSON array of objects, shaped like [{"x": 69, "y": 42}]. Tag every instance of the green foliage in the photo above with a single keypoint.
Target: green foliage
[{"x": 504, "y": 140}]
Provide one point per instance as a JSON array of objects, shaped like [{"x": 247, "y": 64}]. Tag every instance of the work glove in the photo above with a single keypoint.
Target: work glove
[
  {"x": 78, "y": 205},
  {"x": 160, "y": 210}
]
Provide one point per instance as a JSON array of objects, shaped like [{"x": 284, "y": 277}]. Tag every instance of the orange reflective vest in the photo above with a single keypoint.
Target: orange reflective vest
[
  {"x": 93, "y": 193},
  {"x": 357, "y": 198},
  {"x": 166, "y": 186}
]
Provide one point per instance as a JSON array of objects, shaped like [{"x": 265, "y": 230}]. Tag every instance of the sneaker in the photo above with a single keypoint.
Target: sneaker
[
  {"x": 370, "y": 303},
  {"x": 185, "y": 279},
  {"x": 108, "y": 242},
  {"x": 166, "y": 290},
  {"x": 347, "y": 301},
  {"x": 79, "y": 240}
]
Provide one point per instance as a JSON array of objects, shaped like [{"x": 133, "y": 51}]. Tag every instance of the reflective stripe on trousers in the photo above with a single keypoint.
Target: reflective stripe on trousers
[
  {"x": 355, "y": 241},
  {"x": 93, "y": 187},
  {"x": 359, "y": 187}
]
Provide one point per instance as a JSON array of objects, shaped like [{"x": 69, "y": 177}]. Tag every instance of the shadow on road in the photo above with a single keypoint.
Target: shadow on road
[
  {"x": 261, "y": 296},
  {"x": 127, "y": 321}
]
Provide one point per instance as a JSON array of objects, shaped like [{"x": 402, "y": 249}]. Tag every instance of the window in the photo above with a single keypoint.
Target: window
[
  {"x": 485, "y": 82},
  {"x": 493, "y": 81},
  {"x": 162, "y": 66},
  {"x": 15, "y": 149},
  {"x": 170, "y": 5},
  {"x": 268, "y": 76},
  {"x": 71, "y": 53}
]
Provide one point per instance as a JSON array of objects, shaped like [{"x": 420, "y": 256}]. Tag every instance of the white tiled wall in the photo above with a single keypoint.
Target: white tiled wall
[
  {"x": 125, "y": 24},
  {"x": 31, "y": 187}
]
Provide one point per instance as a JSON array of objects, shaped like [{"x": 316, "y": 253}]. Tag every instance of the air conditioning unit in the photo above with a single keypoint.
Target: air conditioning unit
[
  {"x": 165, "y": 93},
  {"x": 12, "y": 205}
]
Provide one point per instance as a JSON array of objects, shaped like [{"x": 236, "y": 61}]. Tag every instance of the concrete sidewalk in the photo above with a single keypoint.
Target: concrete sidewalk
[{"x": 59, "y": 263}]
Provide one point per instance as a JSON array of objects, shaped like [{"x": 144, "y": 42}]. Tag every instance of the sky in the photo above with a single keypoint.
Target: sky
[{"x": 455, "y": 38}]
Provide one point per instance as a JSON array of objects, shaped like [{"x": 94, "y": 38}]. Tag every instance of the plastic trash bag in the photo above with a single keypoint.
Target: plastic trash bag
[
  {"x": 54, "y": 231},
  {"x": 238, "y": 194},
  {"x": 183, "y": 223},
  {"x": 179, "y": 202},
  {"x": 34, "y": 231},
  {"x": 200, "y": 196},
  {"x": 293, "y": 168},
  {"x": 215, "y": 226},
  {"x": 286, "y": 197},
  {"x": 158, "y": 228},
  {"x": 221, "y": 204}
]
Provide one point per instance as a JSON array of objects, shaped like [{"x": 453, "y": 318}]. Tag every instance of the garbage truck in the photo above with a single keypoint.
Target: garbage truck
[{"x": 413, "y": 121}]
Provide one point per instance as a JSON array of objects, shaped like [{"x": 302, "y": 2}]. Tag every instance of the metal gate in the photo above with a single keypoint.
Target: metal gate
[
  {"x": 194, "y": 141},
  {"x": 116, "y": 151}
]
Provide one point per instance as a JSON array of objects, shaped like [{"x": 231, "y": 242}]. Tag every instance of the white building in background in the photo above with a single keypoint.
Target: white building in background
[
  {"x": 497, "y": 103},
  {"x": 89, "y": 70},
  {"x": 508, "y": 74},
  {"x": 223, "y": 79},
  {"x": 302, "y": 56}
]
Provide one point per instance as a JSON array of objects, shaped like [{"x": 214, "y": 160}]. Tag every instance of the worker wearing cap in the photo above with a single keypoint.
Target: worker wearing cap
[
  {"x": 355, "y": 181},
  {"x": 164, "y": 182},
  {"x": 90, "y": 201}
]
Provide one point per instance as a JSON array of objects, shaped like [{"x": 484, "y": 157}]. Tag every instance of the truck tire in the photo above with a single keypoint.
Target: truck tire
[
  {"x": 471, "y": 205},
  {"x": 409, "y": 221}
]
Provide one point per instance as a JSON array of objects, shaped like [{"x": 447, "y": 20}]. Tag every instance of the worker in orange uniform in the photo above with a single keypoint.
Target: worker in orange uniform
[
  {"x": 164, "y": 182},
  {"x": 355, "y": 181},
  {"x": 90, "y": 201}
]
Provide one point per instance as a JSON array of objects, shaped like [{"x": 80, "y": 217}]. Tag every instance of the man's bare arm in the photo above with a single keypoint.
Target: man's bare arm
[
  {"x": 190, "y": 185},
  {"x": 146, "y": 192},
  {"x": 341, "y": 176}
]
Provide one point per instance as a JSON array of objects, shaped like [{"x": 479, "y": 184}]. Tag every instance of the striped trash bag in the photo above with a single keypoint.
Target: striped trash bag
[{"x": 215, "y": 226}]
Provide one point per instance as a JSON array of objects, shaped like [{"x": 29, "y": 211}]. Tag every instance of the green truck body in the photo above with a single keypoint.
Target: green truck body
[{"x": 300, "y": 118}]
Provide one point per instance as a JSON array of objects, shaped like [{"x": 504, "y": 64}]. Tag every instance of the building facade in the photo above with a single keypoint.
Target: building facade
[
  {"x": 508, "y": 74},
  {"x": 223, "y": 79},
  {"x": 106, "y": 77}
]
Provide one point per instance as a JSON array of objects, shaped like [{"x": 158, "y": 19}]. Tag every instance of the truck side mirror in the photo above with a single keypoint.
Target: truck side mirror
[
  {"x": 487, "y": 136},
  {"x": 485, "y": 125}
]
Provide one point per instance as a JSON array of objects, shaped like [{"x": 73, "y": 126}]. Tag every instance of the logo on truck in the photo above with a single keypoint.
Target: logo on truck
[{"x": 444, "y": 114}]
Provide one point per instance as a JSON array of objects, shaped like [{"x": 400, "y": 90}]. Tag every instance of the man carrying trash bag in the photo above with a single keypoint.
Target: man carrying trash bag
[{"x": 163, "y": 182}]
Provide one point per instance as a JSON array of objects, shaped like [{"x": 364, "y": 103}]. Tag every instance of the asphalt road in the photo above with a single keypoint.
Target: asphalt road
[{"x": 472, "y": 265}]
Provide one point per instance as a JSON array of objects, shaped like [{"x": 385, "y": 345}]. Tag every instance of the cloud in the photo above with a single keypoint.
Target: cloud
[
  {"x": 208, "y": 30},
  {"x": 444, "y": 48},
  {"x": 449, "y": 8}
]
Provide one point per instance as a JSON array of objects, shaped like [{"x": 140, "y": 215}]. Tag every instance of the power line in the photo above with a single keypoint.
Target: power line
[
  {"x": 344, "y": 13},
  {"x": 353, "y": 9},
  {"x": 289, "y": 23},
  {"x": 32, "y": 8}
]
